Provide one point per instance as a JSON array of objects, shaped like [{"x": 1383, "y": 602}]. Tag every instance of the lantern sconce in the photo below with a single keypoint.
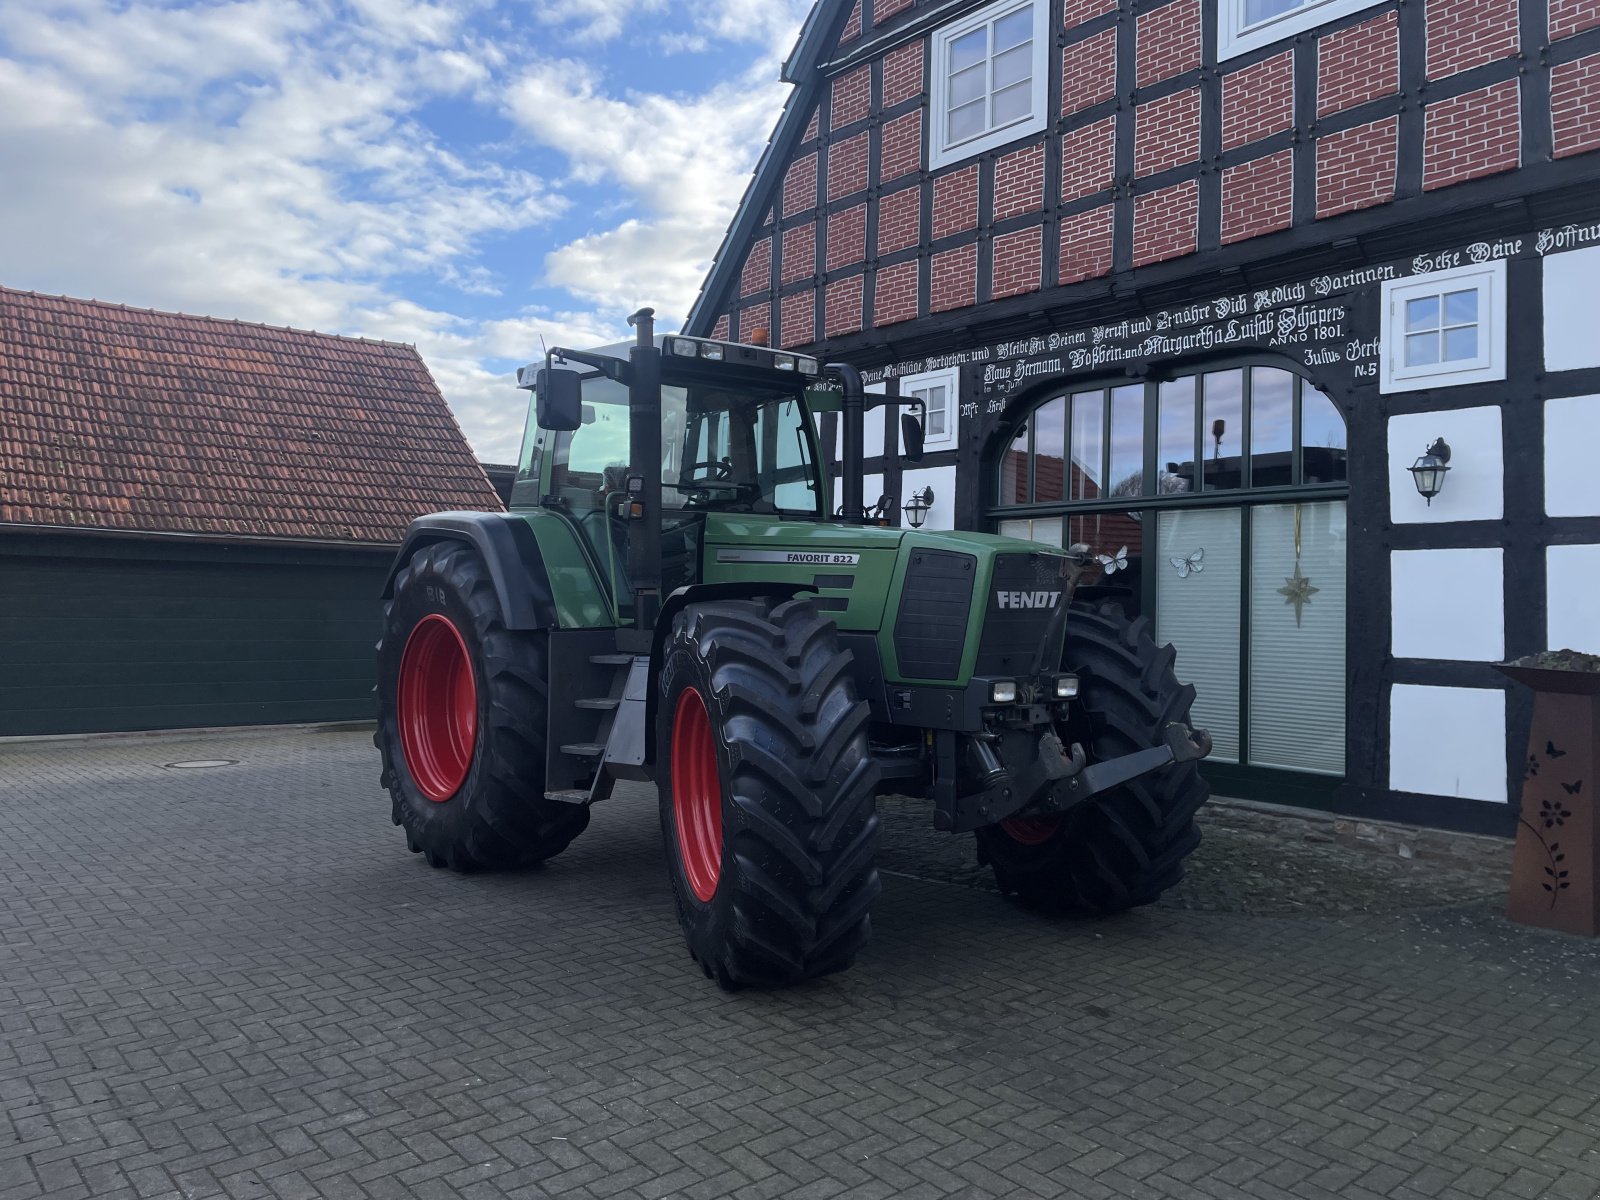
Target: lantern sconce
[
  {"x": 917, "y": 505},
  {"x": 1428, "y": 472}
]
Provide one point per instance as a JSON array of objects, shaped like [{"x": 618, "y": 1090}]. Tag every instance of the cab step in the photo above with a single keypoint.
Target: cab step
[
  {"x": 569, "y": 795},
  {"x": 599, "y": 703},
  {"x": 584, "y": 749},
  {"x": 611, "y": 660}
]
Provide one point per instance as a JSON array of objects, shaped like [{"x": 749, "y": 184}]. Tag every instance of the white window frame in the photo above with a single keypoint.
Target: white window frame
[
  {"x": 1234, "y": 37},
  {"x": 1489, "y": 279},
  {"x": 950, "y": 380},
  {"x": 940, "y": 152}
]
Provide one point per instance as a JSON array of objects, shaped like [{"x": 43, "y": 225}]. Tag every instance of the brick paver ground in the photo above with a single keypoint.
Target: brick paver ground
[{"x": 236, "y": 983}]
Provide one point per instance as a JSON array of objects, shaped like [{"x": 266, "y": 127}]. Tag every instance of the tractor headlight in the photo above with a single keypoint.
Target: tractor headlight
[
  {"x": 784, "y": 362},
  {"x": 1003, "y": 692},
  {"x": 683, "y": 347},
  {"x": 1066, "y": 687},
  {"x": 711, "y": 350},
  {"x": 808, "y": 366}
]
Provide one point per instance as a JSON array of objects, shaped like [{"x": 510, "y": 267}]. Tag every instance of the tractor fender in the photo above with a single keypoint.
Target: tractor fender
[
  {"x": 700, "y": 593},
  {"x": 510, "y": 552}
]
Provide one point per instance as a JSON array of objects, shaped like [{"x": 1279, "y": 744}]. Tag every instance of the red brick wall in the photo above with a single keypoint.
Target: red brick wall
[
  {"x": 847, "y": 167},
  {"x": 1358, "y": 64},
  {"x": 1089, "y": 72},
  {"x": 899, "y": 220},
  {"x": 1088, "y": 162},
  {"x": 1568, "y": 17},
  {"x": 955, "y": 279},
  {"x": 852, "y": 25},
  {"x": 812, "y": 126},
  {"x": 1085, "y": 245},
  {"x": 1257, "y": 197},
  {"x": 895, "y": 294},
  {"x": 852, "y": 97},
  {"x": 841, "y": 305},
  {"x": 1168, "y": 41},
  {"x": 1258, "y": 101},
  {"x": 901, "y": 149},
  {"x": 1018, "y": 263},
  {"x": 1575, "y": 106},
  {"x": 1164, "y": 223},
  {"x": 1475, "y": 134},
  {"x": 955, "y": 202},
  {"x": 847, "y": 237},
  {"x": 1076, "y": 12},
  {"x": 719, "y": 331},
  {"x": 799, "y": 324},
  {"x": 799, "y": 253},
  {"x": 757, "y": 316},
  {"x": 1019, "y": 182},
  {"x": 800, "y": 186},
  {"x": 757, "y": 276},
  {"x": 882, "y": 10},
  {"x": 1468, "y": 33},
  {"x": 1166, "y": 132},
  {"x": 1355, "y": 169},
  {"x": 902, "y": 73}
]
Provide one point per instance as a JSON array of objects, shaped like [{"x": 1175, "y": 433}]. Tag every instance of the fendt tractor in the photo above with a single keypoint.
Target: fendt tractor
[{"x": 673, "y": 597}]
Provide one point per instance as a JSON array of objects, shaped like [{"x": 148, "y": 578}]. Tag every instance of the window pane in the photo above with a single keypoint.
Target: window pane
[
  {"x": 1461, "y": 308},
  {"x": 1014, "y": 29},
  {"x": 1197, "y": 610},
  {"x": 1422, "y": 313},
  {"x": 1013, "y": 104},
  {"x": 1422, "y": 349},
  {"x": 966, "y": 86},
  {"x": 1175, "y": 455},
  {"x": 1038, "y": 529},
  {"x": 1224, "y": 428},
  {"x": 1127, "y": 440},
  {"x": 1263, "y": 10},
  {"x": 1297, "y": 618},
  {"x": 969, "y": 49},
  {"x": 1322, "y": 439},
  {"x": 1271, "y": 427},
  {"x": 1050, "y": 450},
  {"x": 1014, "y": 66},
  {"x": 937, "y": 399},
  {"x": 1014, "y": 470},
  {"x": 1088, "y": 445},
  {"x": 1461, "y": 344},
  {"x": 966, "y": 122},
  {"x": 1117, "y": 542}
]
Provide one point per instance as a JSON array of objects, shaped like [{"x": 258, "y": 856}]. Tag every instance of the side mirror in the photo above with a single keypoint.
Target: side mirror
[
  {"x": 911, "y": 437},
  {"x": 559, "y": 406}
]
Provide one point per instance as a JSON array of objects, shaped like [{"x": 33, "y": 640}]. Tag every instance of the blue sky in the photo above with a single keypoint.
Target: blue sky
[{"x": 463, "y": 175}]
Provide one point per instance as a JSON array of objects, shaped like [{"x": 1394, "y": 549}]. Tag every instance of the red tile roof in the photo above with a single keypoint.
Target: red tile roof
[{"x": 126, "y": 419}]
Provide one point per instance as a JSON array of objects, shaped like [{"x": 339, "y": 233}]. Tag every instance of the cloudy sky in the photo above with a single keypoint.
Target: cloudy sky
[{"x": 463, "y": 175}]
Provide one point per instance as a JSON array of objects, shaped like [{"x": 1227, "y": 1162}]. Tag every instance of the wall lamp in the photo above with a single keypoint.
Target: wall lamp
[
  {"x": 917, "y": 505},
  {"x": 1428, "y": 472}
]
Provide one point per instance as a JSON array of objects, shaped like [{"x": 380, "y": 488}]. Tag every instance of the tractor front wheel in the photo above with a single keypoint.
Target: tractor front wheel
[
  {"x": 461, "y": 720},
  {"x": 1126, "y": 846},
  {"x": 766, "y": 789}
]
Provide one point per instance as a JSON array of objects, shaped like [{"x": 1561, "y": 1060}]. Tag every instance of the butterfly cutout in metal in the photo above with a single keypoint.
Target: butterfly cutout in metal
[
  {"x": 1192, "y": 565},
  {"x": 1113, "y": 562}
]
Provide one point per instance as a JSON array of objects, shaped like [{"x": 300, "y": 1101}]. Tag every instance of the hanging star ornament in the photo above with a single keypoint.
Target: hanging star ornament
[{"x": 1297, "y": 590}]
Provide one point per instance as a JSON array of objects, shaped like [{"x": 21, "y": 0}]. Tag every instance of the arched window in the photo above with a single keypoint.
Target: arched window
[{"x": 1213, "y": 503}]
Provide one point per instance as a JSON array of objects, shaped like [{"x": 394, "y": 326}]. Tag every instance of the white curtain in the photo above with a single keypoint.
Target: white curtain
[{"x": 1197, "y": 602}]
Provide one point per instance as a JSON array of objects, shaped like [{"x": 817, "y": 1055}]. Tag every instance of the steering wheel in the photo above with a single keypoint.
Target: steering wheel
[
  {"x": 718, "y": 478},
  {"x": 717, "y": 470}
]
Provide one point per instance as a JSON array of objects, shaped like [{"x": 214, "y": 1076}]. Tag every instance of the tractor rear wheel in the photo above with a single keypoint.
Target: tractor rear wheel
[
  {"x": 461, "y": 720},
  {"x": 767, "y": 788},
  {"x": 1125, "y": 847}
]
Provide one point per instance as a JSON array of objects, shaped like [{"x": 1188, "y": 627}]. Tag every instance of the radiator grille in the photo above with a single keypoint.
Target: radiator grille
[
  {"x": 1021, "y": 631},
  {"x": 931, "y": 627}
]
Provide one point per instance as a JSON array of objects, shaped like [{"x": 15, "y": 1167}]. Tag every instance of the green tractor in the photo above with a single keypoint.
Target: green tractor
[{"x": 669, "y": 599}]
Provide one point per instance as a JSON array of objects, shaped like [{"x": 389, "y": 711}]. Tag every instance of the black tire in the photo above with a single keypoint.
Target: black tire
[
  {"x": 794, "y": 785},
  {"x": 498, "y": 817},
  {"x": 1124, "y": 848}
]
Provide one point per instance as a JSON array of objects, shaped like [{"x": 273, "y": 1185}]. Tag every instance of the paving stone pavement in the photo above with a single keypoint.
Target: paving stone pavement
[{"x": 235, "y": 982}]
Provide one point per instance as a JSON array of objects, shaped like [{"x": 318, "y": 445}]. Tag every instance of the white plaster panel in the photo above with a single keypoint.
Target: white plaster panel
[
  {"x": 943, "y": 482},
  {"x": 871, "y": 430},
  {"x": 1448, "y": 604},
  {"x": 871, "y": 489},
  {"x": 1573, "y": 598},
  {"x": 1474, "y": 490},
  {"x": 1571, "y": 432},
  {"x": 1447, "y": 741},
  {"x": 1571, "y": 300}
]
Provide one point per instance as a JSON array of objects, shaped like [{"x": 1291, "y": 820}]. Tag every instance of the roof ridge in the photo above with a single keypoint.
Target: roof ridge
[{"x": 162, "y": 312}]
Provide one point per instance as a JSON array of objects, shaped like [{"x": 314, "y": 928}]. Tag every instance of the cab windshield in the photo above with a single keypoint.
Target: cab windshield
[{"x": 726, "y": 450}]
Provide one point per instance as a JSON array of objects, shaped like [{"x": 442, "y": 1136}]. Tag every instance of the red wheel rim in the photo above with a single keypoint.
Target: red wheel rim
[
  {"x": 696, "y": 796},
  {"x": 438, "y": 707},
  {"x": 1031, "y": 831}
]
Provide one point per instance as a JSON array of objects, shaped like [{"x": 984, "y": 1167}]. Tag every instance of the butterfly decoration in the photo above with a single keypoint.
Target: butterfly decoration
[
  {"x": 1573, "y": 788},
  {"x": 1550, "y": 749},
  {"x": 1192, "y": 565},
  {"x": 1113, "y": 562}
]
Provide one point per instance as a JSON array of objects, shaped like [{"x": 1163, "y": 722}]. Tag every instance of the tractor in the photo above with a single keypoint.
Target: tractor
[{"x": 674, "y": 597}]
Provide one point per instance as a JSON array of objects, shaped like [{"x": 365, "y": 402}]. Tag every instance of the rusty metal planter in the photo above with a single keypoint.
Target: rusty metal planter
[{"x": 1555, "y": 877}]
